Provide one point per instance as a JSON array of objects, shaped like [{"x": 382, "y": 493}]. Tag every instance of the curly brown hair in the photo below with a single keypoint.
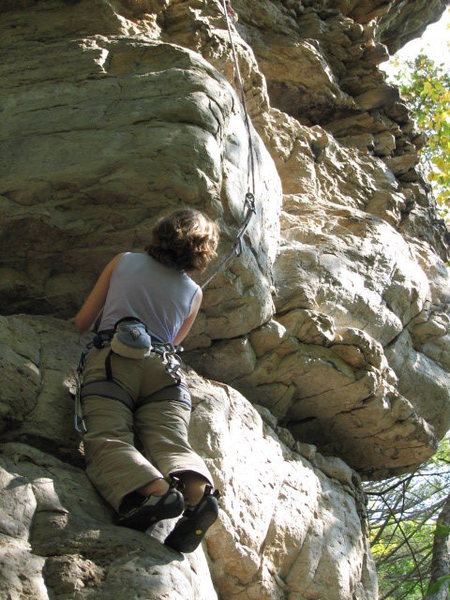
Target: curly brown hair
[{"x": 186, "y": 240}]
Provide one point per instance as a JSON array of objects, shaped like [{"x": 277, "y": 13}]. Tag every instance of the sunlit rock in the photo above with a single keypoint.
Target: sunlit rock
[{"x": 332, "y": 322}]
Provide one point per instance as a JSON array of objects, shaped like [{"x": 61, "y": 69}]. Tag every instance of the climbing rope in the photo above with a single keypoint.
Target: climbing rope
[{"x": 249, "y": 202}]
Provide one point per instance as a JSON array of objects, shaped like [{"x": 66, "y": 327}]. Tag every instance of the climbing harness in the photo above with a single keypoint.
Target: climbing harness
[
  {"x": 249, "y": 202},
  {"x": 134, "y": 330}
]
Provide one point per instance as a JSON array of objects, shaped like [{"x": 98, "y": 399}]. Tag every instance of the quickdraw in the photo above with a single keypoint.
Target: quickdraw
[{"x": 79, "y": 423}]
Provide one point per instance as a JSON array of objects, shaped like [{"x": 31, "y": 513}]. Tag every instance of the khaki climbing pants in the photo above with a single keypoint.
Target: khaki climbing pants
[{"x": 114, "y": 465}]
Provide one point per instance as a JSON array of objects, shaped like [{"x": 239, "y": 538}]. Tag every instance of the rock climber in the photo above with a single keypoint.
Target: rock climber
[{"x": 148, "y": 300}]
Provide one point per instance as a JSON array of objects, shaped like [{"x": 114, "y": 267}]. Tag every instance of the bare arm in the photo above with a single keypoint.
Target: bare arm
[
  {"x": 96, "y": 299},
  {"x": 185, "y": 328}
]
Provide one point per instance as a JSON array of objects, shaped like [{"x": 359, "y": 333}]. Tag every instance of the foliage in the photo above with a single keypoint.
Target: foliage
[
  {"x": 439, "y": 583},
  {"x": 402, "y": 516},
  {"x": 425, "y": 87}
]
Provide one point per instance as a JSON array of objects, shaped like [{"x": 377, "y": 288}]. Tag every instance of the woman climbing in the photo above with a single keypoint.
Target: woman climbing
[{"x": 129, "y": 390}]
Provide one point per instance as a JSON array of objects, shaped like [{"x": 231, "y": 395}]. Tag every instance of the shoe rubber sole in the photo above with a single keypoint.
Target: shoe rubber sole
[
  {"x": 190, "y": 530},
  {"x": 153, "y": 510}
]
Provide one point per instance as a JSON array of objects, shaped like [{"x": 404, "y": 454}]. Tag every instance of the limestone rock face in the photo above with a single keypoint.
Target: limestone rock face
[
  {"x": 404, "y": 21},
  {"x": 333, "y": 322},
  {"x": 359, "y": 243},
  {"x": 284, "y": 508},
  {"x": 293, "y": 521},
  {"x": 142, "y": 127}
]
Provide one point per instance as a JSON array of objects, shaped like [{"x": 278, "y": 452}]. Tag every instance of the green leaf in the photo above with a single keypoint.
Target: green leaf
[
  {"x": 440, "y": 581},
  {"x": 425, "y": 87},
  {"x": 442, "y": 530}
]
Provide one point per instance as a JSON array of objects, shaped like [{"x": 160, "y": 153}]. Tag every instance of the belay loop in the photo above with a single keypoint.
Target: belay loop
[{"x": 249, "y": 201}]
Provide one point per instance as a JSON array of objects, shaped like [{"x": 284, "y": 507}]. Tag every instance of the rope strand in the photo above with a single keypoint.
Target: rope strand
[
  {"x": 249, "y": 201},
  {"x": 228, "y": 10}
]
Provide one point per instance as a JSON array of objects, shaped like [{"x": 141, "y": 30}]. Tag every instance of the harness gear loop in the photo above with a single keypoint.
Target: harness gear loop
[
  {"x": 169, "y": 356},
  {"x": 79, "y": 423},
  {"x": 108, "y": 367}
]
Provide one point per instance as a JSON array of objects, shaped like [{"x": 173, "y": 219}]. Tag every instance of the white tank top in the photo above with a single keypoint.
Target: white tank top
[{"x": 160, "y": 296}]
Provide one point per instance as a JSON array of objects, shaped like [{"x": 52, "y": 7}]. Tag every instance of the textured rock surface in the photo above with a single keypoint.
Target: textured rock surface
[
  {"x": 142, "y": 127},
  {"x": 291, "y": 521},
  {"x": 334, "y": 321},
  {"x": 58, "y": 540},
  {"x": 360, "y": 245},
  {"x": 124, "y": 124}
]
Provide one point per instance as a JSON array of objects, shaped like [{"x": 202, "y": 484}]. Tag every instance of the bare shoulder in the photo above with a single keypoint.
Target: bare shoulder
[{"x": 115, "y": 261}]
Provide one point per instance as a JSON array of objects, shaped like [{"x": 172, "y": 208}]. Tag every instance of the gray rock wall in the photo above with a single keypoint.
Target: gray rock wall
[
  {"x": 333, "y": 323},
  {"x": 292, "y": 522}
]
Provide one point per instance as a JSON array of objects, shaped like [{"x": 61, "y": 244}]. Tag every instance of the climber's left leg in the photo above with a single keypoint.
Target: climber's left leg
[
  {"x": 195, "y": 522},
  {"x": 162, "y": 427},
  {"x": 163, "y": 430}
]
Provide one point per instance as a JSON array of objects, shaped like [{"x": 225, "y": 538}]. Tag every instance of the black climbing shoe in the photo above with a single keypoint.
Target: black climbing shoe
[
  {"x": 152, "y": 509},
  {"x": 191, "y": 528}
]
